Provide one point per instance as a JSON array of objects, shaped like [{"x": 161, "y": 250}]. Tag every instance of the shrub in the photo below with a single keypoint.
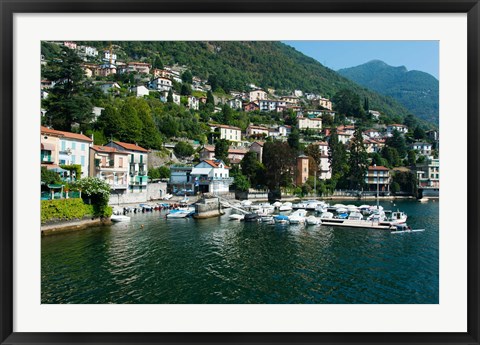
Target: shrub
[
  {"x": 96, "y": 192},
  {"x": 64, "y": 209}
]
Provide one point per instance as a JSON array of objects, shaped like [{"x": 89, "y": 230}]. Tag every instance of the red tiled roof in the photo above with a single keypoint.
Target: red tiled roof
[
  {"x": 258, "y": 142},
  {"x": 239, "y": 151},
  {"x": 214, "y": 164},
  {"x": 320, "y": 143},
  {"x": 209, "y": 148},
  {"x": 377, "y": 168},
  {"x": 107, "y": 149},
  {"x": 129, "y": 146},
  {"x": 69, "y": 135},
  {"x": 224, "y": 126},
  {"x": 258, "y": 127}
]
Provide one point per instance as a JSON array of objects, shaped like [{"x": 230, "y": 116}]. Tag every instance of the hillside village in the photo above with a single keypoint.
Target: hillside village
[{"x": 295, "y": 141}]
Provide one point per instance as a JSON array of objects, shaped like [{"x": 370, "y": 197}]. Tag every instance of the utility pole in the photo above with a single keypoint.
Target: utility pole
[
  {"x": 378, "y": 179},
  {"x": 315, "y": 182}
]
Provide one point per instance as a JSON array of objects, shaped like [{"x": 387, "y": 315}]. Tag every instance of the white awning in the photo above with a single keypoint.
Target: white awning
[{"x": 201, "y": 171}]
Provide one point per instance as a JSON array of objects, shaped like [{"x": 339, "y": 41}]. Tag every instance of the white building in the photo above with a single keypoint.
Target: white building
[
  {"x": 235, "y": 103},
  {"x": 212, "y": 176},
  {"x": 161, "y": 84},
  {"x": 267, "y": 105},
  {"x": 193, "y": 102},
  {"x": 396, "y": 127},
  {"x": 305, "y": 122},
  {"x": 230, "y": 133},
  {"x": 75, "y": 149},
  {"x": 257, "y": 95},
  {"x": 140, "y": 91},
  {"x": 424, "y": 149}
]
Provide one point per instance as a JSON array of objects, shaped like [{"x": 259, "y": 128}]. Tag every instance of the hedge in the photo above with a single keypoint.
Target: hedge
[{"x": 65, "y": 209}]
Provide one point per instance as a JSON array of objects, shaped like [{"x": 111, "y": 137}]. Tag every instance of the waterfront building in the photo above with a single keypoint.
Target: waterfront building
[
  {"x": 378, "y": 178},
  {"x": 110, "y": 165},
  {"x": 137, "y": 162},
  {"x": 73, "y": 148},
  {"x": 302, "y": 170},
  {"x": 212, "y": 176},
  {"x": 180, "y": 177},
  {"x": 428, "y": 173},
  {"x": 49, "y": 148}
]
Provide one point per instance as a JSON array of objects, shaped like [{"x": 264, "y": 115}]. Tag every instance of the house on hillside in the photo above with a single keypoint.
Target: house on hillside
[
  {"x": 251, "y": 106},
  {"x": 212, "y": 176},
  {"x": 422, "y": 148},
  {"x": 256, "y": 131},
  {"x": 230, "y": 133},
  {"x": 140, "y": 91},
  {"x": 235, "y": 103},
  {"x": 257, "y": 95},
  {"x": 257, "y": 147},
  {"x": 161, "y": 84},
  {"x": 402, "y": 129},
  {"x": 305, "y": 122}
]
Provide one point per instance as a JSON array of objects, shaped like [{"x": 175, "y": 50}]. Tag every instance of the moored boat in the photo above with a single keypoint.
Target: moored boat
[
  {"x": 236, "y": 216},
  {"x": 287, "y": 206},
  {"x": 119, "y": 218},
  {"x": 312, "y": 220}
]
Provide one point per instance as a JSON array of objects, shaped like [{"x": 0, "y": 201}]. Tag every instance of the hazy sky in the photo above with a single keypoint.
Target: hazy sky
[{"x": 414, "y": 55}]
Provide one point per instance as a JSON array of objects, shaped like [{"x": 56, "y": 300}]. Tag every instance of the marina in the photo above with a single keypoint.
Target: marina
[{"x": 151, "y": 259}]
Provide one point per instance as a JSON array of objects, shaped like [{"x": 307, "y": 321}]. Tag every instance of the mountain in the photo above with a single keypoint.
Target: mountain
[
  {"x": 235, "y": 64},
  {"x": 417, "y": 91}
]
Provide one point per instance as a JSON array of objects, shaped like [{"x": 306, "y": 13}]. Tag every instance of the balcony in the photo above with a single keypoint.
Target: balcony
[{"x": 46, "y": 159}]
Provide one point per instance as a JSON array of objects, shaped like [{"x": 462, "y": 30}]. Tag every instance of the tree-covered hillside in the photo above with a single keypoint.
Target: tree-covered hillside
[
  {"x": 233, "y": 65},
  {"x": 417, "y": 91}
]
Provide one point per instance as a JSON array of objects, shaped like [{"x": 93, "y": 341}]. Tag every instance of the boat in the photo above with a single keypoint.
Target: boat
[
  {"x": 299, "y": 206},
  {"x": 181, "y": 212},
  {"x": 146, "y": 207},
  {"x": 298, "y": 217},
  {"x": 251, "y": 217},
  {"x": 326, "y": 215},
  {"x": 423, "y": 199},
  {"x": 312, "y": 220},
  {"x": 287, "y": 206},
  {"x": 116, "y": 218},
  {"x": 401, "y": 228},
  {"x": 352, "y": 208},
  {"x": 266, "y": 219},
  {"x": 398, "y": 217},
  {"x": 343, "y": 215},
  {"x": 246, "y": 203},
  {"x": 277, "y": 204},
  {"x": 236, "y": 216},
  {"x": 311, "y": 205},
  {"x": 341, "y": 210},
  {"x": 281, "y": 219},
  {"x": 168, "y": 196},
  {"x": 355, "y": 216}
]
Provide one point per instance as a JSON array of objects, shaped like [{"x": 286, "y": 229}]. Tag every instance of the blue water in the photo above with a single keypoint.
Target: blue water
[{"x": 222, "y": 261}]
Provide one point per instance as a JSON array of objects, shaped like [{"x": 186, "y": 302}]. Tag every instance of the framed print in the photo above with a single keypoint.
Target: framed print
[{"x": 239, "y": 172}]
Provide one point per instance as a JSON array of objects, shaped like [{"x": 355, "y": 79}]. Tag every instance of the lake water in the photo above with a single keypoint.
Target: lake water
[{"x": 221, "y": 261}]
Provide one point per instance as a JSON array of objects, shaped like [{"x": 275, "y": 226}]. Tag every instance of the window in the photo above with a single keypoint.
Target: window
[
  {"x": 74, "y": 145},
  {"x": 63, "y": 145},
  {"x": 82, "y": 160},
  {"x": 120, "y": 162},
  {"x": 83, "y": 147},
  {"x": 73, "y": 159}
]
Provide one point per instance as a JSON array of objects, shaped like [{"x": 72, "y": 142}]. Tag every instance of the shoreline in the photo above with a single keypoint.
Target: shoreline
[{"x": 61, "y": 227}]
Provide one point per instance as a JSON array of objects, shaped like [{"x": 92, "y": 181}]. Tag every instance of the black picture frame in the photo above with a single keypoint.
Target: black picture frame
[{"x": 10, "y": 7}]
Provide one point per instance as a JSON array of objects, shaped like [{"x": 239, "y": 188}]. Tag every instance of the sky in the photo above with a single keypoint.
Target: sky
[{"x": 414, "y": 55}]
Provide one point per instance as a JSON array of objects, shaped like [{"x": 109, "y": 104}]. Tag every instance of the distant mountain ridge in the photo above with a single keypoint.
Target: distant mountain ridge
[{"x": 415, "y": 90}]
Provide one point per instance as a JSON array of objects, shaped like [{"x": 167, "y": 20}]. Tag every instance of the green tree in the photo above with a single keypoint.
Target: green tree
[
  {"x": 412, "y": 158},
  {"x": 294, "y": 140},
  {"x": 253, "y": 169},
  {"x": 337, "y": 157},
  {"x": 279, "y": 161},
  {"x": 170, "y": 96},
  {"x": 187, "y": 77},
  {"x": 95, "y": 191},
  {"x": 49, "y": 176},
  {"x": 397, "y": 141},
  {"x": 183, "y": 149},
  {"x": 221, "y": 150},
  {"x": 67, "y": 102},
  {"x": 348, "y": 102},
  {"x": 157, "y": 62},
  {"x": 241, "y": 183},
  {"x": 419, "y": 133},
  {"x": 390, "y": 154},
  {"x": 186, "y": 90},
  {"x": 358, "y": 161}
]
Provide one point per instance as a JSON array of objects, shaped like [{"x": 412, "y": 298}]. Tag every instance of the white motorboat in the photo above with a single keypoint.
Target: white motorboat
[
  {"x": 312, "y": 220},
  {"x": 423, "y": 199},
  {"x": 119, "y": 218},
  {"x": 398, "y": 217},
  {"x": 266, "y": 219},
  {"x": 277, "y": 204},
  {"x": 355, "y": 216},
  {"x": 311, "y": 204},
  {"x": 236, "y": 217},
  {"x": 299, "y": 206},
  {"x": 297, "y": 217},
  {"x": 246, "y": 203},
  {"x": 168, "y": 196},
  {"x": 181, "y": 212},
  {"x": 326, "y": 215},
  {"x": 342, "y": 210},
  {"x": 287, "y": 206},
  {"x": 352, "y": 208}
]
